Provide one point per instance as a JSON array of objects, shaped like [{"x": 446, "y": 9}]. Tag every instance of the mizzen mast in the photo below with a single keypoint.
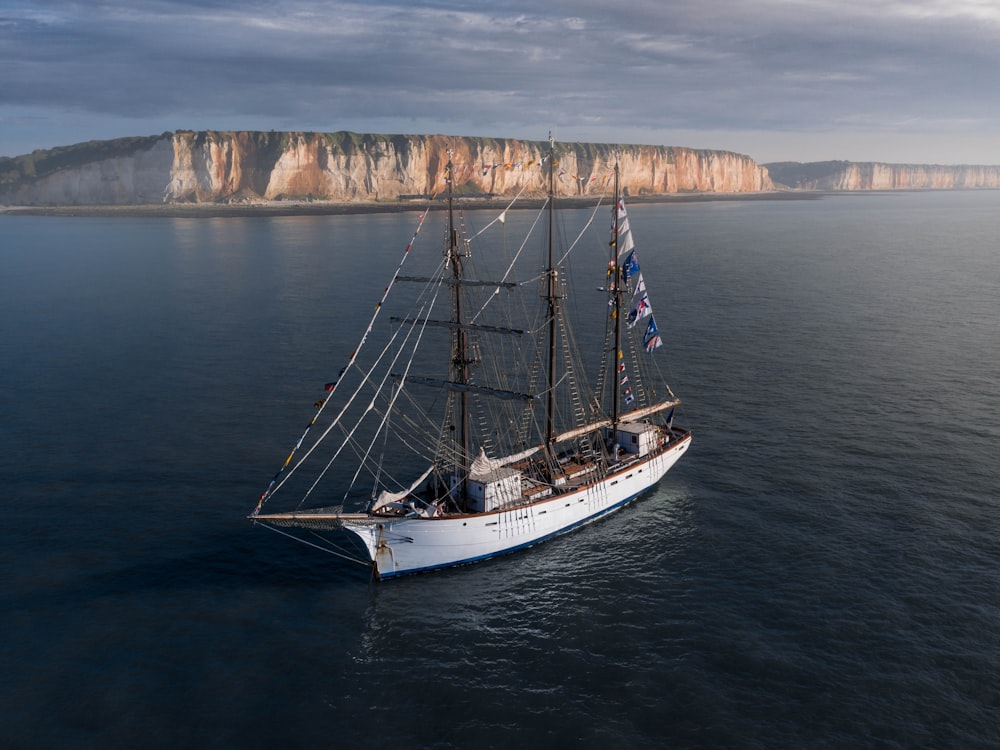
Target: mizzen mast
[{"x": 616, "y": 292}]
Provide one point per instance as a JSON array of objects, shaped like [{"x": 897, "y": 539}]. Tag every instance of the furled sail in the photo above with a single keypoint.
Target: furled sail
[
  {"x": 385, "y": 497},
  {"x": 484, "y": 466}
]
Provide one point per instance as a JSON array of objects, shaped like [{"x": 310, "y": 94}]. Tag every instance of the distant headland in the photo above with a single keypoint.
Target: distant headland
[
  {"x": 299, "y": 172},
  {"x": 835, "y": 176}
]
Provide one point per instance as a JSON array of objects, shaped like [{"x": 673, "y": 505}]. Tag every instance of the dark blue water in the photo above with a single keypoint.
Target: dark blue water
[{"x": 822, "y": 569}]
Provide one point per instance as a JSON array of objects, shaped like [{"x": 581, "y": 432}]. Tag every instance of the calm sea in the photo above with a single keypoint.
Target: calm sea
[{"x": 822, "y": 569}]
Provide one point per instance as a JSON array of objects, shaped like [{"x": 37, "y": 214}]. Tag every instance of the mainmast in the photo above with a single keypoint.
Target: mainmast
[
  {"x": 551, "y": 296},
  {"x": 460, "y": 338}
]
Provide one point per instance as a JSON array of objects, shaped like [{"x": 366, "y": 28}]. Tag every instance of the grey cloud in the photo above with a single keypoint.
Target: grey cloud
[{"x": 455, "y": 66}]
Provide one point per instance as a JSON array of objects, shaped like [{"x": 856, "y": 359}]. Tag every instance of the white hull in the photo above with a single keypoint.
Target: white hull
[{"x": 399, "y": 546}]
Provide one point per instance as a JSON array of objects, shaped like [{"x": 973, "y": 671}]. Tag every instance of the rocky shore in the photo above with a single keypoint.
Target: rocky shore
[{"x": 335, "y": 208}]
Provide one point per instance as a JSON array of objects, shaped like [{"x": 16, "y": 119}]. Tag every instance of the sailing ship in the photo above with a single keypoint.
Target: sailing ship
[{"x": 515, "y": 447}]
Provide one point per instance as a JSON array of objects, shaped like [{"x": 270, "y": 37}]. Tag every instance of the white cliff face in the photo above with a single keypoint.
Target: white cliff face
[
  {"x": 861, "y": 176},
  {"x": 136, "y": 178},
  {"x": 210, "y": 167},
  {"x": 874, "y": 176}
]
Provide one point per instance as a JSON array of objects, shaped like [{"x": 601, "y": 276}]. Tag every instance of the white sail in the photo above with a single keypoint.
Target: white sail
[
  {"x": 385, "y": 497},
  {"x": 484, "y": 466}
]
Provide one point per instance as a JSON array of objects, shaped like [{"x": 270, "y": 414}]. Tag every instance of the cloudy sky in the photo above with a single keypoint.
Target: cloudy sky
[{"x": 913, "y": 81}]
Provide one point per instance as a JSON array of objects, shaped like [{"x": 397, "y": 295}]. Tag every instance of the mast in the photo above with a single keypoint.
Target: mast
[
  {"x": 551, "y": 296},
  {"x": 617, "y": 292},
  {"x": 460, "y": 337}
]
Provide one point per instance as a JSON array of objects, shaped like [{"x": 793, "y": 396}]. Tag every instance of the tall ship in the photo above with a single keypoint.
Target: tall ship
[{"x": 469, "y": 425}]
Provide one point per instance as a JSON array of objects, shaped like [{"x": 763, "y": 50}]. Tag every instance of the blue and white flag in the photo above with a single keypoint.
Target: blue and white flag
[
  {"x": 640, "y": 310},
  {"x": 651, "y": 339},
  {"x": 630, "y": 267}
]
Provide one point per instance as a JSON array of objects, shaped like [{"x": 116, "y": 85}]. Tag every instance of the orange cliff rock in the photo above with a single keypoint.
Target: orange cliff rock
[{"x": 210, "y": 167}]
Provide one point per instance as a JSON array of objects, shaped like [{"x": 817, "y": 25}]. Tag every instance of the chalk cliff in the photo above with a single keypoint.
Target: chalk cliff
[
  {"x": 205, "y": 167},
  {"x": 850, "y": 176}
]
